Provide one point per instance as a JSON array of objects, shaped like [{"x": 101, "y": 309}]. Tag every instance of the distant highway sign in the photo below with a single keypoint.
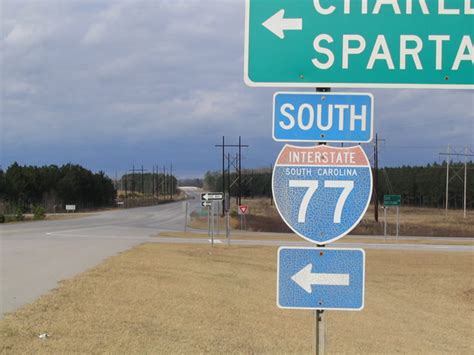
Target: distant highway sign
[
  {"x": 323, "y": 117},
  {"x": 392, "y": 200},
  {"x": 370, "y": 43}
]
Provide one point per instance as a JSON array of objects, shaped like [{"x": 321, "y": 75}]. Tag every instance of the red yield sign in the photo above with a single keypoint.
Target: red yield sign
[{"x": 243, "y": 210}]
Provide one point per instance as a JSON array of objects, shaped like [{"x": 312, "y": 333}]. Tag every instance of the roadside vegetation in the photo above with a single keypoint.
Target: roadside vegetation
[
  {"x": 37, "y": 190},
  {"x": 419, "y": 186},
  {"x": 31, "y": 192}
]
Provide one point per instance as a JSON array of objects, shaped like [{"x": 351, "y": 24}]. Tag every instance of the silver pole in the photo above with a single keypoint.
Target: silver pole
[
  {"x": 398, "y": 220},
  {"x": 319, "y": 335},
  {"x": 186, "y": 217},
  {"x": 217, "y": 219},
  {"x": 465, "y": 181},
  {"x": 212, "y": 216},
  {"x": 227, "y": 225},
  {"x": 208, "y": 221},
  {"x": 320, "y": 326},
  {"x": 447, "y": 178},
  {"x": 385, "y": 222}
]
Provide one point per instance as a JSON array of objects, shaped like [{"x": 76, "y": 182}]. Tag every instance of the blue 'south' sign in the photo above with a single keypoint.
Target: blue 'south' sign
[
  {"x": 323, "y": 117},
  {"x": 322, "y": 192},
  {"x": 321, "y": 278}
]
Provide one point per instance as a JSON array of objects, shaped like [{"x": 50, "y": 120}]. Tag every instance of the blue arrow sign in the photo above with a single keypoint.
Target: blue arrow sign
[
  {"x": 323, "y": 117},
  {"x": 321, "y": 278}
]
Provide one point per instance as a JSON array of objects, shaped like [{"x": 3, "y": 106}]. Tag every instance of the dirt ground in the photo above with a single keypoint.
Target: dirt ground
[
  {"x": 172, "y": 299},
  {"x": 414, "y": 221}
]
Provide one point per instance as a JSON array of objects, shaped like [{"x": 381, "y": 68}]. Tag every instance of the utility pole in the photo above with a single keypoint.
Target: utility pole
[
  {"x": 126, "y": 185},
  {"x": 157, "y": 184},
  {"x": 171, "y": 181},
  {"x": 164, "y": 182},
  {"x": 466, "y": 152},
  {"x": 376, "y": 178},
  {"x": 153, "y": 181},
  {"x": 237, "y": 197},
  {"x": 228, "y": 176},
  {"x": 133, "y": 178},
  {"x": 238, "y": 168},
  {"x": 223, "y": 174},
  {"x": 142, "y": 183},
  {"x": 447, "y": 179},
  {"x": 465, "y": 181}
]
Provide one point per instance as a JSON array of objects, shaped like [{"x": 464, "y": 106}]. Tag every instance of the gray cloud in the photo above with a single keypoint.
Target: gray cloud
[{"x": 155, "y": 73}]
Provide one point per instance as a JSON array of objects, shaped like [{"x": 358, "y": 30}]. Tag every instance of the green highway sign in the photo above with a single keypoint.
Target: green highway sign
[
  {"x": 392, "y": 200},
  {"x": 363, "y": 43}
]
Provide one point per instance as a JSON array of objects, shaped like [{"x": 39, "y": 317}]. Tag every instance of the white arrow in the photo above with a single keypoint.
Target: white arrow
[
  {"x": 277, "y": 24},
  {"x": 212, "y": 196},
  {"x": 305, "y": 279}
]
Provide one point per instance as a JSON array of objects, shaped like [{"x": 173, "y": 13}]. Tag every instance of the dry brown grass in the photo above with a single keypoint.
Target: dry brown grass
[{"x": 172, "y": 299}]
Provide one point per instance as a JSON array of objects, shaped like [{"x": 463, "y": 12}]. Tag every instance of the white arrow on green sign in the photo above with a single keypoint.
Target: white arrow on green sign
[{"x": 363, "y": 43}]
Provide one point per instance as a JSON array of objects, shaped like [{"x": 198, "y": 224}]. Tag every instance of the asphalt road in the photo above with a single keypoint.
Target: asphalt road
[{"x": 36, "y": 256}]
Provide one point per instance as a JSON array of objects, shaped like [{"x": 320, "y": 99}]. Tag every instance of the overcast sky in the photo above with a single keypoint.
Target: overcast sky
[{"x": 111, "y": 84}]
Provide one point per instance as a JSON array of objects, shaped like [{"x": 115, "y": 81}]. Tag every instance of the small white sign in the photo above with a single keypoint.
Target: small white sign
[{"x": 70, "y": 208}]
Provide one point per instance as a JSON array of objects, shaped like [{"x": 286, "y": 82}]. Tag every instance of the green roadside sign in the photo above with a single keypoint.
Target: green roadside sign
[
  {"x": 392, "y": 200},
  {"x": 363, "y": 43}
]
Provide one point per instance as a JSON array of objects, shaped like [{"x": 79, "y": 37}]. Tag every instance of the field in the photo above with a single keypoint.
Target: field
[
  {"x": 196, "y": 299},
  {"x": 414, "y": 221}
]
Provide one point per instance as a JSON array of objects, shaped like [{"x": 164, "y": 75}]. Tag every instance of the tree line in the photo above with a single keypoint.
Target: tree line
[
  {"x": 52, "y": 187},
  {"x": 423, "y": 186}
]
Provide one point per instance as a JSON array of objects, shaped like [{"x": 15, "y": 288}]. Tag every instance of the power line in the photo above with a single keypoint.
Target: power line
[
  {"x": 451, "y": 152},
  {"x": 239, "y": 169}
]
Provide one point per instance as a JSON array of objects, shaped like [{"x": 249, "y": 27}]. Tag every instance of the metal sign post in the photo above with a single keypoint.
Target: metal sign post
[
  {"x": 186, "y": 216},
  {"x": 392, "y": 201},
  {"x": 227, "y": 227},
  {"x": 209, "y": 221},
  {"x": 398, "y": 220},
  {"x": 212, "y": 227},
  {"x": 320, "y": 332}
]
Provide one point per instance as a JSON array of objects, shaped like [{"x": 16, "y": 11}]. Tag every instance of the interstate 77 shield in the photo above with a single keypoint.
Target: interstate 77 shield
[{"x": 322, "y": 192}]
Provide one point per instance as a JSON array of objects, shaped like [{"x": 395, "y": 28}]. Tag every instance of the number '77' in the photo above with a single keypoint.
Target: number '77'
[{"x": 312, "y": 186}]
